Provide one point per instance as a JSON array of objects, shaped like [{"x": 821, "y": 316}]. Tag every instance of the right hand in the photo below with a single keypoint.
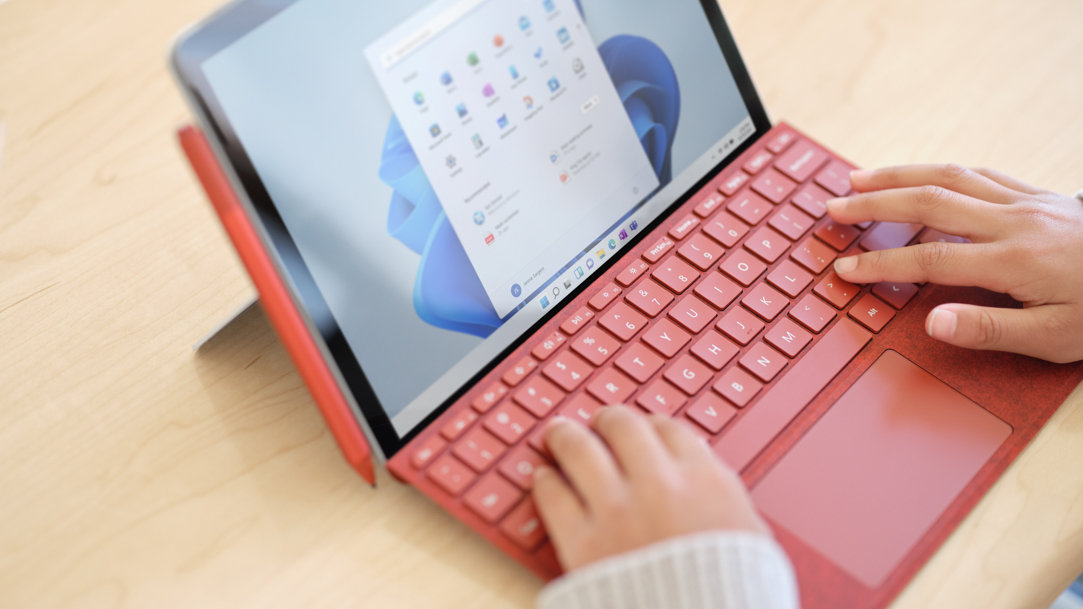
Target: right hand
[{"x": 1026, "y": 242}]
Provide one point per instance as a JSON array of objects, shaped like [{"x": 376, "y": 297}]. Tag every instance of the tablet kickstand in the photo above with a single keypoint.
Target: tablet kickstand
[{"x": 252, "y": 303}]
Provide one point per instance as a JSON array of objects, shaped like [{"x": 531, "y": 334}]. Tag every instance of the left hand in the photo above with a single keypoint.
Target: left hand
[{"x": 651, "y": 479}]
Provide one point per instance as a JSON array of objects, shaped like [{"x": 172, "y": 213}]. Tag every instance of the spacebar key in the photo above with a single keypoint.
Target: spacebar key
[{"x": 769, "y": 416}]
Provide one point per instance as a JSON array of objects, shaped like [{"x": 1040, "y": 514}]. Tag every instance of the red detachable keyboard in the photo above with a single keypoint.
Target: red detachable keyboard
[{"x": 728, "y": 315}]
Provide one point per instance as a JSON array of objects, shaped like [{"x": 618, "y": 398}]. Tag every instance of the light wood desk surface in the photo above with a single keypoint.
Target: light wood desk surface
[{"x": 138, "y": 474}]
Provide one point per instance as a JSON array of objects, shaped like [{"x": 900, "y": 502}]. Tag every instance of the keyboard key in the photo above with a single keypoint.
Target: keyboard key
[
  {"x": 715, "y": 349},
  {"x": 725, "y": 229},
  {"x": 509, "y": 423},
  {"x": 577, "y": 321},
  {"x": 709, "y": 205},
  {"x": 632, "y": 272},
  {"x": 743, "y": 266},
  {"x": 756, "y": 428},
  {"x": 519, "y": 371},
  {"x": 661, "y": 398},
  {"x": 639, "y": 362},
  {"x": 538, "y": 396},
  {"x": 649, "y": 297},
  {"x": 813, "y": 255},
  {"x": 801, "y": 160},
  {"x": 737, "y": 386},
  {"x": 666, "y": 337},
  {"x": 889, "y": 235},
  {"x": 581, "y": 408},
  {"x": 701, "y": 251},
  {"x": 478, "y": 449},
  {"x": 790, "y": 278},
  {"x": 791, "y": 222},
  {"x": 612, "y": 387},
  {"x": 622, "y": 321},
  {"x": 838, "y": 236},
  {"x": 773, "y": 185},
  {"x": 567, "y": 370},
  {"x": 451, "y": 475},
  {"x": 732, "y": 182},
  {"x": 429, "y": 449},
  {"x": 749, "y": 206},
  {"x": 684, "y": 227},
  {"x": 931, "y": 235},
  {"x": 872, "y": 313},
  {"x": 758, "y": 161},
  {"x": 835, "y": 178},
  {"x": 740, "y": 325},
  {"x": 523, "y": 526},
  {"x": 692, "y": 313},
  {"x": 659, "y": 249},
  {"x": 688, "y": 375},
  {"x": 718, "y": 290},
  {"x": 596, "y": 345},
  {"x": 763, "y": 361},
  {"x": 519, "y": 466},
  {"x": 675, "y": 274},
  {"x": 781, "y": 140},
  {"x": 836, "y": 290},
  {"x": 490, "y": 397},
  {"x": 764, "y": 301},
  {"x": 547, "y": 347},
  {"x": 812, "y": 200},
  {"x": 458, "y": 424},
  {"x": 492, "y": 498},
  {"x": 604, "y": 296},
  {"x": 788, "y": 337},
  {"x": 813, "y": 313},
  {"x": 895, "y": 294},
  {"x": 767, "y": 244},
  {"x": 711, "y": 412}
]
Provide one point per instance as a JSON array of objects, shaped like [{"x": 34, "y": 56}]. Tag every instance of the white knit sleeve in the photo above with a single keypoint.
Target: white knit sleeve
[{"x": 716, "y": 570}]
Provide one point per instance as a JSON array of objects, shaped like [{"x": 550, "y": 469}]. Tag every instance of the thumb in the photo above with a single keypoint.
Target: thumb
[{"x": 1032, "y": 331}]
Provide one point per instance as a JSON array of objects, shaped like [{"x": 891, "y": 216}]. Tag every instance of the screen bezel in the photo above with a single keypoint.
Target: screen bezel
[{"x": 238, "y": 19}]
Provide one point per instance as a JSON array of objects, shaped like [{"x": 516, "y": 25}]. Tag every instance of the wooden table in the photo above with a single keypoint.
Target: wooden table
[{"x": 139, "y": 474}]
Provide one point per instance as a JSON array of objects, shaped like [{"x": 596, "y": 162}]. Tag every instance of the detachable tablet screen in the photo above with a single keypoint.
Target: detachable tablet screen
[{"x": 448, "y": 173}]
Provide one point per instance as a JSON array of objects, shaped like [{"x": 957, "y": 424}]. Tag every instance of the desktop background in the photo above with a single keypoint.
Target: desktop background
[{"x": 314, "y": 121}]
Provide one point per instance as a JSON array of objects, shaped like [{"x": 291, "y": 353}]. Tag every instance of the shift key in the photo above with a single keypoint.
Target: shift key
[
  {"x": 765, "y": 419},
  {"x": 890, "y": 235}
]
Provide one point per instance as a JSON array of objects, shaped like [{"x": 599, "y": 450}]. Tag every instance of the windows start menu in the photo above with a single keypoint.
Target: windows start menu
[{"x": 520, "y": 131}]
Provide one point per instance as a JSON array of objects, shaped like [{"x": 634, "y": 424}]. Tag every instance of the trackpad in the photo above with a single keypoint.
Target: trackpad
[{"x": 877, "y": 470}]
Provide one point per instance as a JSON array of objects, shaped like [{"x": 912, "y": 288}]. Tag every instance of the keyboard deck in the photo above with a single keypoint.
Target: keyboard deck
[{"x": 727, "y": 315}]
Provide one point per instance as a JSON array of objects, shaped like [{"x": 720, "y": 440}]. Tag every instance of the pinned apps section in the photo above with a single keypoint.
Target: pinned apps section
[{"x": 520, "y": 131}]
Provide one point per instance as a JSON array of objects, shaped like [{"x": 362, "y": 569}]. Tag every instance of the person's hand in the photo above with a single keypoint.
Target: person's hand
[
  {"x": 637, "y": 481},
  {"x": 1026, "y": 242}
]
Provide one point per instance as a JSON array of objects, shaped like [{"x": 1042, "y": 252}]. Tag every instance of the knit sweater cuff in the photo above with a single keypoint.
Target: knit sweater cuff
[{"x": 715, "y": 570}]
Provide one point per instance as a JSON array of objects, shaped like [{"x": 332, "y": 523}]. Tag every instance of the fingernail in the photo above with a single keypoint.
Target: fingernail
[
  {"x": 860, "y": 174},
  {"x": 942, "y": 324},
  {"x": 557, "y": 420},
  {"x": 836, "y": 205},
  {"x": 542, "y": 471},
  {"x": 846, "y": 265}
]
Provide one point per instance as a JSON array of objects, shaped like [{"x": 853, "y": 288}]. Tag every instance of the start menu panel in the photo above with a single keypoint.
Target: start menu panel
[{"x": 517, "y": 125}]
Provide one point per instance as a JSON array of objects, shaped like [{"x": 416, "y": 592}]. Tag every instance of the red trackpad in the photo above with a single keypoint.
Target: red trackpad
[{"x": 877, "y": 470}]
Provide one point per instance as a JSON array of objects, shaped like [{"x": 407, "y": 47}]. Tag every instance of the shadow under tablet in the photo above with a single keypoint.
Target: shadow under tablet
[{"x": 878, "y": 469}]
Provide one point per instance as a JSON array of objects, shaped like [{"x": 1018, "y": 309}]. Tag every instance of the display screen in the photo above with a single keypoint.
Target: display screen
[{"x": 449, "y": 172}]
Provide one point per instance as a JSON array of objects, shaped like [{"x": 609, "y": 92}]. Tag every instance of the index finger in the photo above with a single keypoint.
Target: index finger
[{"x": 968, "y": 264}]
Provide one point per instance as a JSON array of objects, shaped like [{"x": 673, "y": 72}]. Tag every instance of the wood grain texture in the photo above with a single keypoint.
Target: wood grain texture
[{"x": 137, "y": 473}]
